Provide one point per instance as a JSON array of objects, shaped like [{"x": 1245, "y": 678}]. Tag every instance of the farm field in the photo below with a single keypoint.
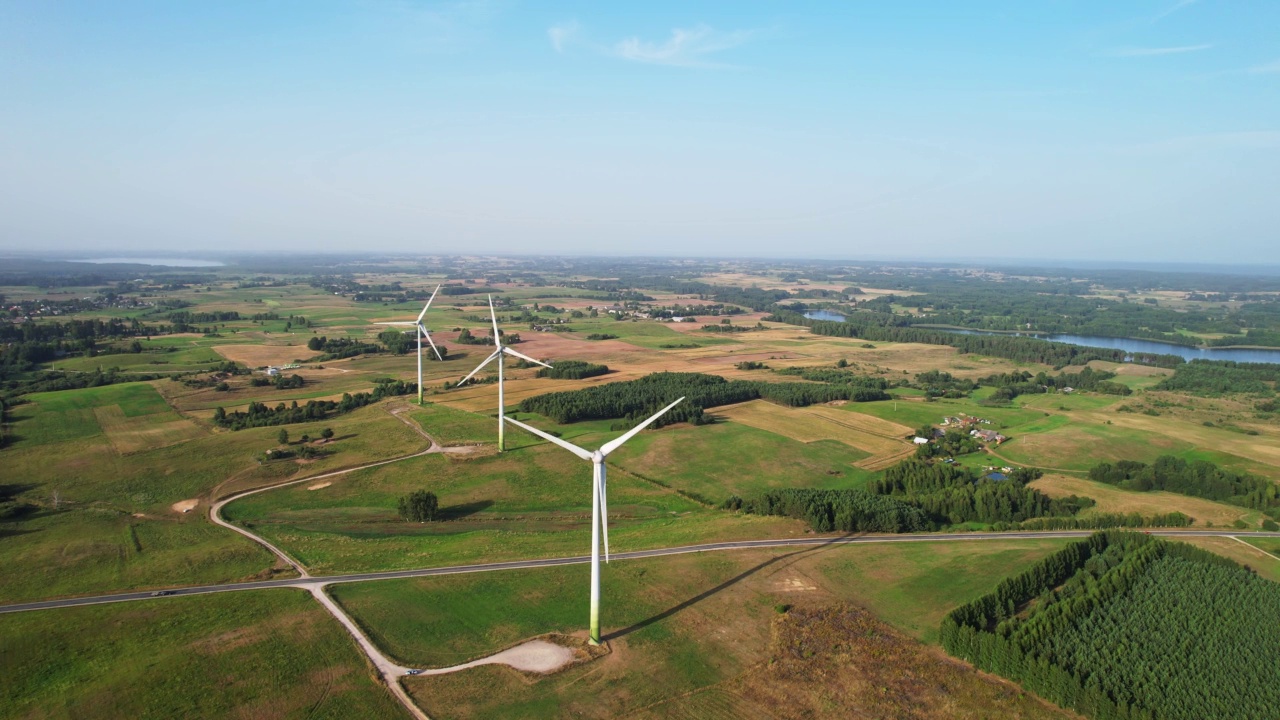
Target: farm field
[
  {"x": 271, "y": 653},
  {"x": 662, "y": 615}
]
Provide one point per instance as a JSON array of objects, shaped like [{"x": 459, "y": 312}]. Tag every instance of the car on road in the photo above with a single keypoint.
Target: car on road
[
  {"x": 412, "y": 672},
  {"x": 161, "y": 593}
]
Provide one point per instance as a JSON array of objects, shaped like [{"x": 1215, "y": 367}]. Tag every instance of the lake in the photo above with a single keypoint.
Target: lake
[{"x": 1127, "y": 344}]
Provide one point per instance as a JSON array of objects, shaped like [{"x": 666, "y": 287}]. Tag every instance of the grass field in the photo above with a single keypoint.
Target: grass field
[
  {"x": 266, "y": 654},
  {"x": 106, "y": 521},
  {"x": 665, "y": 620},
  {"x": 722, "y": 459}
]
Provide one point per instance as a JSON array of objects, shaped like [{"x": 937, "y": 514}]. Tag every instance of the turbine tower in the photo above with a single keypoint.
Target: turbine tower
[
  {"x": 421, "y": 331},
  {"x": 599, "y": 506},
  {"x": 499, "y": 351}
]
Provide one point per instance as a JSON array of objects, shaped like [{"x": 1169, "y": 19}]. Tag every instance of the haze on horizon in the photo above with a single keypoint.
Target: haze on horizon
[{"x": 1085, "y": 130}]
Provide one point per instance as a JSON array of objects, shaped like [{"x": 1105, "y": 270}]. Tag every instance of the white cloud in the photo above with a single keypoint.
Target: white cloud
[
  {"x": 686, "y": 48},
  {"x": 1150, "y": 52},
  {"x": 561, "y": 33},
  {"x": 1270, "y": 68}
]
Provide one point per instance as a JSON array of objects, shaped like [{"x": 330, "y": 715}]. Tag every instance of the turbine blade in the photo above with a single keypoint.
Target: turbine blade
[
  {"x": 616, "y": 443},
  {"x": 550, "y": 438},
  {"x": 406, "y": 322},
  {"x": 604, "y": 513},
  {"x": 424, "y": 309},
  {"x": 522, "y": 356},
  {"x": 497, "y": 337},
  {"x": 478, "y": 367},
  {"x": 423, "y": 329}
]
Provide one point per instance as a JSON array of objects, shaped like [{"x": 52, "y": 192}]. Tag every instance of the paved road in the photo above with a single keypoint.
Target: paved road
[{"x": 307, "y": 583}]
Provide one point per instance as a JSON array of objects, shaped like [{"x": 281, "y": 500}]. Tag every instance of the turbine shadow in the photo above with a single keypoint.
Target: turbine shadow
[{"x": 793, "y": 556}]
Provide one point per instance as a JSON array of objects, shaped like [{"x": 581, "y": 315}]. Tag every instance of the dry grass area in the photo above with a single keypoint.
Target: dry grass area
[
  {"x": 1114, "y": 500},
  {"x": 143, "y": 432},
  {"x": 259, "y": 355},
  {"x": 840, "y": 661}
]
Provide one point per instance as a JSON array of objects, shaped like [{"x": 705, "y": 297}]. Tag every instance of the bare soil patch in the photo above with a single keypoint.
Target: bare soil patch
[
  {"x": 840, "y": 661},
  {"x": 185, "y": 506},
  {"x": 319, "y": 486}
]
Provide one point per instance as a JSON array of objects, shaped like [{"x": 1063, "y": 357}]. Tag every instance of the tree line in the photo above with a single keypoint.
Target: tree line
[{"x": 637, "y": 399}]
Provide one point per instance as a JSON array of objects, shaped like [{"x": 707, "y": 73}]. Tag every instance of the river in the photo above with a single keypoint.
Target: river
[{"x": 1244, "y": 355}]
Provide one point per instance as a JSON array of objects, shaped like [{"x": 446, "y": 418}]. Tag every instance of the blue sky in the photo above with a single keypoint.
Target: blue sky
[{"x": 1055, "y": 130}]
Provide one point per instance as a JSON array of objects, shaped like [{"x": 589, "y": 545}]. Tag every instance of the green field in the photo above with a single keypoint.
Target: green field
[{"x": 271, "y": 653}]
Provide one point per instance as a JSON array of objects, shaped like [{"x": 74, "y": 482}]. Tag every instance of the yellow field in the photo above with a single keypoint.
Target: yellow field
[
  {"x": 260, "y": 355},
  {"x": 143, "y": 432},
  {"x": 880, "y": 438},
  {"x": 1115, "y": 500}
]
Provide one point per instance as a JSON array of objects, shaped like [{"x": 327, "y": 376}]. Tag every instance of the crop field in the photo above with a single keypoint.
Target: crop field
[
  {"x": 665, "y": 616},
  {"x": 267, "y": 654},
  {"x": 866, "y": 433}
]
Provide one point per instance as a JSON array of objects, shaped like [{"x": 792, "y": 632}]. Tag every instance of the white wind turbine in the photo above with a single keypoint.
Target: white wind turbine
[
  {"x": 498, "y": 352},
  {"x": 421, "y": 331},
  {"x": 599, "y": 506}
]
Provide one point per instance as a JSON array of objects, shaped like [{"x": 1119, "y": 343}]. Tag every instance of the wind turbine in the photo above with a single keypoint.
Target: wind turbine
[
  {"x": 421, "y": 331},
  {"x": 599, "y": 506},
  {"x": 499, "y": 351}
]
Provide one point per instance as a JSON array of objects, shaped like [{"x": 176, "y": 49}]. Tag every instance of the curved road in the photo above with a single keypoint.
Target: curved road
[{"x": 309, "y": 582}]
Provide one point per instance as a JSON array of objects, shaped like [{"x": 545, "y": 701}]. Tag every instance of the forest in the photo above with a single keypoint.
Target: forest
[
  {"x": 637, "y": 399},
  {"x": 1123, "y": 626},
  {"x": 1212, "y": 378},
  {"x": 1197, "y": 478},
  {"x": 951, "y": 495}
]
